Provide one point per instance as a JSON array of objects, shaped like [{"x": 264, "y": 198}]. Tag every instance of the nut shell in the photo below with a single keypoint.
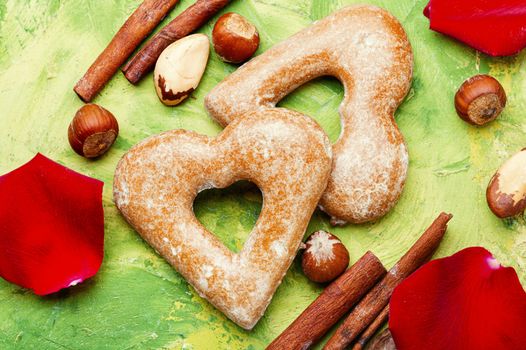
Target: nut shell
[
  {"x": 324, "y": 258},
  {"x": 480, "y": 100},
  {"x": 92, "y": 131},
  {"x": 506, "y": 192},
  {"x": 235, "y": 39}
]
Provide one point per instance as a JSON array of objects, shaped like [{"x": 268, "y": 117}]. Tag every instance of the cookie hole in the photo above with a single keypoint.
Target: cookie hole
[
  {"x": 229, "y": 213},
  {"x": 320, "y": 99}
]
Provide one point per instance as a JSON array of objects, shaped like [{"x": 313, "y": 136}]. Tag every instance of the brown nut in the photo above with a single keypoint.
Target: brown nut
[
  {"x": 92, "y": 131},
  {"x": 480, "y": 100},
  {"x": 506, "y": 193},
  {"x": 180, "y": 68},
  {"x": 324, "y": 258},
  {"x": 235, "y": 38}
]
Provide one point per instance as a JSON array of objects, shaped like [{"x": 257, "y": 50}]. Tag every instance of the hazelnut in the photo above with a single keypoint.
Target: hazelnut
[
  {"x": 92, "y": 131},
  {"x": 235, "y": 38},
  {"x": 506, "y": 193},
  {"x": 324, "y": 258},
  {"x": 180, "y": 68},
  {"x": 480, "y": 99}
]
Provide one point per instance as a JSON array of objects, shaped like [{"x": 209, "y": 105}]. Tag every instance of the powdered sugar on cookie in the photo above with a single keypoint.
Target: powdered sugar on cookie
[
  {"x": 366, "y": 48},
  {"x": 284, "y": 153}
]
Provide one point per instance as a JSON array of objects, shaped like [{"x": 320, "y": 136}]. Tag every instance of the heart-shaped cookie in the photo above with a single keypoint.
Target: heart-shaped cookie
[
  {"x": 366, "y": 48},
  {"x": 284, "y": 153}
]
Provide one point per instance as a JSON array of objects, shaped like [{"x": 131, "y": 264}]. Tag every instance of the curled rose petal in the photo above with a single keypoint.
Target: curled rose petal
[
  {"x": 467, "y": 301},
  {"x": 51, "y": 226},
  {"x": 495, "y": 27}
]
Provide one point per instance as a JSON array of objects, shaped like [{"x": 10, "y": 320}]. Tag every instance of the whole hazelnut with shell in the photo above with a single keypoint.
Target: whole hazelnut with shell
[
  {"x": 324, "y": 258},
  {"x": 235, "y": 39},
  {"x": 92, "y": 131},
  {"x": 480, "y": 99}
]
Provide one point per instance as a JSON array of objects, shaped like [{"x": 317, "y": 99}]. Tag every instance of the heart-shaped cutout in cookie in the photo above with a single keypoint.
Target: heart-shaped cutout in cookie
[
  {"x": 284, "y": 153},
  {"x": 230, "y": 213}
]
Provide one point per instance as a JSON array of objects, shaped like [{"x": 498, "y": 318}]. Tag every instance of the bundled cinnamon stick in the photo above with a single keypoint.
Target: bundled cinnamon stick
[
  {"x": 145, "y": 18},
  {"x": 383, "y": 341},
  {"x": 371, "y": 330},
  {"x": 336, "y": 300},
  {"x": 187, "y": 22},
  {"x": 375, "y": 301}
]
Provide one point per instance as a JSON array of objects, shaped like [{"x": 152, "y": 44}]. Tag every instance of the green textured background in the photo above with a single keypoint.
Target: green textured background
[{"x": 137, "y": 301}]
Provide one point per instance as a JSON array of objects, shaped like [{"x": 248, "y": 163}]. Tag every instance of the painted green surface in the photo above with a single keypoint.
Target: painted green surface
[{"x": 137, "y": 301}]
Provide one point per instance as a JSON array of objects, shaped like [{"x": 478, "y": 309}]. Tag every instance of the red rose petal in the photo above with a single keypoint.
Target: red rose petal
[
  {"x": 495, "y": 27},
  {"x": 51, "y": 226},
  {"x": 464, "y": 302}
]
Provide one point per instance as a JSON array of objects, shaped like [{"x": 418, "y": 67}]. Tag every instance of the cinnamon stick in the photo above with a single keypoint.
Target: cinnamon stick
[
  {"x": 334, "y": 302},
  {"x": 383, "y": 341},
  {"x": 371, "y": 330},
  {"x": 188, "y": 21},
  {"x": 136, "y": 28},
  {"x": 374, "y": 302}
]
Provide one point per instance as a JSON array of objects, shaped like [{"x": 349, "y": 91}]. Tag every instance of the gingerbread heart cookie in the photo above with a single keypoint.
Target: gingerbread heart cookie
[
  {"x": 284, "y": 153},
  {"x": 366, "y": 48}
]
